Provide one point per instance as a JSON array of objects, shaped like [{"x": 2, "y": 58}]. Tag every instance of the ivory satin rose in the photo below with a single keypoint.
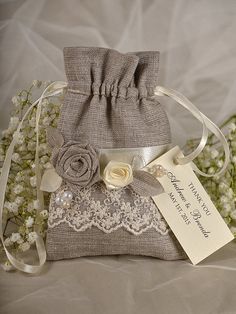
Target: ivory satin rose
[{"x": 117, "y": 175}]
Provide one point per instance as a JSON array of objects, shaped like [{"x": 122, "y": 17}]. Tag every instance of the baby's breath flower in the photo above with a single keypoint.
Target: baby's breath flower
[
  {"x": 15, "y": 237},
  {"x": 232, "y": 126},
  {"x": 229, "y": 193},
  {"x": 22, "y": 148},
  {"x": 45, "y": 104},
  {"x": 37, "y": 83},
  {"x": 29, "y": 133},
  {"x": 30, "y": 207},
  {"x": 221, "y": 189},
  {"x": 16, "y": 101},
  {"x": 46, "y": 83},
  {"x": 207, "y": 149},
  {"x": 44, "y": 159},
  {"x": 233, "y": 230},
  {"x": 20, "y": 139},
  {"x": 14, "y": 122},
  {"x": 16, "y": 157},
  {"x": 233, "y": 144},
  {"x": 24, "y": 246},
  {"x": 32, "y": 236},
  {"x": 20, "y": 194},
  {"x": 211, "y": 170},
  {"x": 6, "y": 133},
  {"x": 224, "y": 212},
  {"x": 31, "y": 146},
  {"x": 19, "y": 200},
  {"x": 223, "y": 186},
  {"x": 19, "y": 177},
  {"x": 46, "y": 121},
  {"x": 33, "y": 181},
  {"x": 234, "y": 160},
  {"x": 18, "y": 189},
  {"x": 233, "y": 214},
  {"x": 12, "y": 207},
  {"x": 29, "y": 222},
  {"x": 206, "y": 163},
  {"x": 20, "y": 240},
  {"x": 214, "y": 153},
  {"x": 224, "y": 200},
  {"x": 43, "y": 148}
]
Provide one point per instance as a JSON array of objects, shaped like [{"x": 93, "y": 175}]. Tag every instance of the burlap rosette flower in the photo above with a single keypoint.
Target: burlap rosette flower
[{"x": 74, "y": 162}]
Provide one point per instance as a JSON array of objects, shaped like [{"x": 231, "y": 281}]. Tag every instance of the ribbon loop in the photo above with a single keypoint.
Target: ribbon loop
[{"x": 207, "y": 124}]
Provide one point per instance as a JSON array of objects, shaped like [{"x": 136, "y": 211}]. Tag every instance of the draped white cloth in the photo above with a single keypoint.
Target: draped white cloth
[{"x": 198, "y": 57}]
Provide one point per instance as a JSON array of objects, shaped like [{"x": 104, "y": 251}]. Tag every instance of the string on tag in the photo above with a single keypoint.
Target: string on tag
[
  {"x": 54, "y": 89},
  {"x": 207, "y": 124}
]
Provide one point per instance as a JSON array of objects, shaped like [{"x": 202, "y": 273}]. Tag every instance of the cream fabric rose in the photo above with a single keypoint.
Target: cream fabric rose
[{"x": 117, "y": 175}]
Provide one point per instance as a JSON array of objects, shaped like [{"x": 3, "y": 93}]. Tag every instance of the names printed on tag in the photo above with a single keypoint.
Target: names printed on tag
[{"x": 188, "y": 209}]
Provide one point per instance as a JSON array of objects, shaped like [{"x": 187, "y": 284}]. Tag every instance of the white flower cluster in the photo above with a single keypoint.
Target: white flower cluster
[
  {"x": 222, "y": 190},
  {"x": 21, "y": 206}
]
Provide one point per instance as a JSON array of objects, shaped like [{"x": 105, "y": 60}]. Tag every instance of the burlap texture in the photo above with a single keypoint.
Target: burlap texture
[
  {"x": 114, "y": 109},
  {"x": 117, "y": 110},
  {"x": 63, "y": 242}
]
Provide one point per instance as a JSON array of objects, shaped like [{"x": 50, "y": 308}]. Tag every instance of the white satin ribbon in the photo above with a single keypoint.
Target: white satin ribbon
[
  {"x": 143, "y": 155},
  {"x": 54, "y": 89},
  {"x": 207, "y": 125}
]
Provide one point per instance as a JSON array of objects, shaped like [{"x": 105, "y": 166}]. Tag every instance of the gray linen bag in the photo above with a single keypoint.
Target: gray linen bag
[{"x": 109, "y": 105}]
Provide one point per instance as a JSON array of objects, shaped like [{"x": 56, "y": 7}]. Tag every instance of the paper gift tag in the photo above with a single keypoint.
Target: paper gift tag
[{"x": 188, "y": 209}]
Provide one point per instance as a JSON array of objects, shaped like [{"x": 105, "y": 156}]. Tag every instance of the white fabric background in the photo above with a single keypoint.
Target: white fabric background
[{"x": 196, "y": 39}]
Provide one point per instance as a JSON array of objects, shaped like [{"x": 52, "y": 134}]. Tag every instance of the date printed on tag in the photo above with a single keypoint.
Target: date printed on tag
[{"x": 188, "y": 209}]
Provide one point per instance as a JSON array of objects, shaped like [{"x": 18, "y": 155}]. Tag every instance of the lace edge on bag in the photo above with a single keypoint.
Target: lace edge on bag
[
  {"x": 111, "y": 211},
  {"x": 93, "y": 224}
]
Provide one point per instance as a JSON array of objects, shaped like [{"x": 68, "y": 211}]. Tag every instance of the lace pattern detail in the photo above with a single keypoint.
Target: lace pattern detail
[{"x": 107, "y": 210}]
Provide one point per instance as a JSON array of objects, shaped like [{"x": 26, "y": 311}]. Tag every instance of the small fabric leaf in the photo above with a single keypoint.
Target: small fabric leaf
[
  {"x": 146, "y": 184},
  {"x": 54, "y": 137},
  {"x": 51, "y": 181}
]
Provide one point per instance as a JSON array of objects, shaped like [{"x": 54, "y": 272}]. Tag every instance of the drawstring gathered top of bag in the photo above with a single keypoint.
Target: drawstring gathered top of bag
[{"x": 56, "y": 89}]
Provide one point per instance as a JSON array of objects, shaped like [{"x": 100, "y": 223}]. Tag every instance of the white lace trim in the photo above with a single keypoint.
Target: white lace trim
[{"x": 107, "y": 210}]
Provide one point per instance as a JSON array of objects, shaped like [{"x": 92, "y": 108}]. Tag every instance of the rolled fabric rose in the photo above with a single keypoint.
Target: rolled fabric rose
[
  {"x": 117, "y": 174},
  {"x": 77, "y": 163}
]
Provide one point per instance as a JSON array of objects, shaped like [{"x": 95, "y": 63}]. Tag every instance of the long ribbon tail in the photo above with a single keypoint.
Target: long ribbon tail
[
  {"x": 54, "y": 89},
  {"x": 207, "y": 124}
]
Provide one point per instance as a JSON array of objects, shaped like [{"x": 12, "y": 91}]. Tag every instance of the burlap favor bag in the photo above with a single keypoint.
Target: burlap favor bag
[{"x": 108, "y": 116}]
